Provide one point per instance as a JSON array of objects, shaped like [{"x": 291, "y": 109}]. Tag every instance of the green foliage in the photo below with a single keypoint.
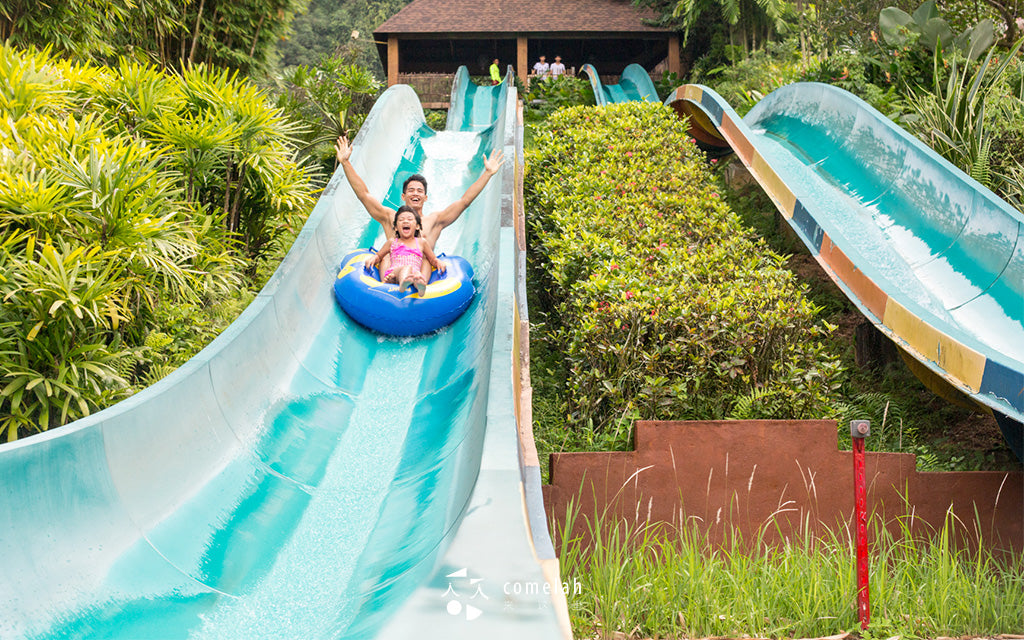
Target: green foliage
[
  {"x": 237, "y": 34},
  {"x": 750, "y": 23},
  {"x": 80, "y": 28},
  {"x": 744, "y": 83},
  {"x": 919, "y": 44},
  {"x": 550, "y": 94},
  {"x": 236, "y": 155},
  {"x": 117, "y": 189},
  {"x": 330, "y": 100},
  {"x": 858, "y": 74},
  {"x": 952, "y": 118},
  {"x": 677, "y": 580},
  {"x": 665, "y": 307},
  {"x": 927, "y": 29},
  {"x": 1007, "y": 156},
  {"x": 327, "y": 29},
  {"x": 437, "y": 119}
]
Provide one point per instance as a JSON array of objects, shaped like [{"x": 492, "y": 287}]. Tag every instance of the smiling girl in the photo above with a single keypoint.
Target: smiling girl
[{"x": 411, "y": 256}]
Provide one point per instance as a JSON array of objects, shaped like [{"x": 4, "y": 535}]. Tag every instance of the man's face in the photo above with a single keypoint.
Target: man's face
[{"x": 415, "y": 195}]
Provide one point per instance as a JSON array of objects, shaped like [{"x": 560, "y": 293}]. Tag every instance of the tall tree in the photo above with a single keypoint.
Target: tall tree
[
  {"x": 237, "y": 34},
  {"x": 750, "y": 23},
  {"x": 327, "y": 28}
]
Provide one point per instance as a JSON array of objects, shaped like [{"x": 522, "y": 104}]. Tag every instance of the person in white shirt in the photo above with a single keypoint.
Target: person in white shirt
[
  {"x": 557, "y": 68},
  {"x": 540, "y": 69}
]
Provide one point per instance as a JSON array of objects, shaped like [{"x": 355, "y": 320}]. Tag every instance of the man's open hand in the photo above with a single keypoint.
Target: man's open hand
[{"x": 493, "y": 163}]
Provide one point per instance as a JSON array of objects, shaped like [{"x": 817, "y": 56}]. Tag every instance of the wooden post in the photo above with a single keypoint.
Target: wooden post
[
  {"x": 392, "y": 60},
  {"x": 673, "y": 55},
  {"x": 522, "y": 62},
  {"x": 871, "y": 348}
]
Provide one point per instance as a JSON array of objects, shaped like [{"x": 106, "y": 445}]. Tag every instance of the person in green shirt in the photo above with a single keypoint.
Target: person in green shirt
[{"x": 495, "y": 72}]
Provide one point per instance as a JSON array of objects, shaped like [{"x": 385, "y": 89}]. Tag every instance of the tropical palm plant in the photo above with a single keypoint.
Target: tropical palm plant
[
  {"x": 750, "y": 23},
  {"x": 324, "y": 96},
  {"x": 58, "y": 303},
  {"x": 952, "y": 118},
  {"x": 244, "y": 165},
  {"x": 128, "y": 197}
]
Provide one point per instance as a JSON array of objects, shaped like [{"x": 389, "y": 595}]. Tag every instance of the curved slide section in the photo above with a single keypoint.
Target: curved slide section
[
  {"x": 635, "y": 85},
  {"x": 930, "y": 256},
  {"x": 475, "y": 107},
  {"x": 301, "y": 477}
]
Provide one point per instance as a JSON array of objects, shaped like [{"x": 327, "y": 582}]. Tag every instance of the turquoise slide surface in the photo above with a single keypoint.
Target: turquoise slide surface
[
  {"x": 302, "y": 477},
  {"x": 634, "y": 85},
  {"x": 930, "y": 256}
]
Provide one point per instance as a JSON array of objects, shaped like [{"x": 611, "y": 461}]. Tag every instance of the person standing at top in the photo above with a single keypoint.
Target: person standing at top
[
  {"x": 495, "y": 72},
  {"x": 557, "y": 68},
  {"x": 414, "y": 194},
  {"x": 541, "y": 67}
]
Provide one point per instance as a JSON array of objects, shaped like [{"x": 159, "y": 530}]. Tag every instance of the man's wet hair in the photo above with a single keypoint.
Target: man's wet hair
[{"x": 415, "y": 178}]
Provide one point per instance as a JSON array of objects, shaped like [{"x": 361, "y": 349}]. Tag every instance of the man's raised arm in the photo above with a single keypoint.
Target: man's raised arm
[
  {"x": 377, "y": 211},
  {"x": 451, "y": 213}
]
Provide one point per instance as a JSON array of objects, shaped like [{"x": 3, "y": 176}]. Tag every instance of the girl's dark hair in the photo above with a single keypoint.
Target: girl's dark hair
[
  {"x": 415, "y": 178},
  {"x": 403, "y": 209}
]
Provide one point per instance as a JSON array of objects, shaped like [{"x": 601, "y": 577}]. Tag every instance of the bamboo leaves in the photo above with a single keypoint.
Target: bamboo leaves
[{"x": 116, "y": 188}]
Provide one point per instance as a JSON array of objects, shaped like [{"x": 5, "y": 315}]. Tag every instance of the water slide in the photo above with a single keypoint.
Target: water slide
[
  {"x": 302, "y": 477},
  {"x": 931, "y": 257},
  {"x": 634, "y": 85}
]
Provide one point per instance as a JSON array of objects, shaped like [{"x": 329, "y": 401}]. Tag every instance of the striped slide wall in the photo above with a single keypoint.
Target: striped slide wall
[{"x": 991, "y": 378}]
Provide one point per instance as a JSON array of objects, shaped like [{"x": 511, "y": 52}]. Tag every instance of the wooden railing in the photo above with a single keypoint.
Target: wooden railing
[{"x": 434, "y": 89}]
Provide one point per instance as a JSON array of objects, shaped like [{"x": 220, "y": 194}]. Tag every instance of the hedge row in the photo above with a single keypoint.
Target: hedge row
[{"x": 662, "y": 303}]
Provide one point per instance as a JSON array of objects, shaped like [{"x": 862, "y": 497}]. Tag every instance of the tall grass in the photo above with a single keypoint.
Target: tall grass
[{"x": 659, "y": 580}]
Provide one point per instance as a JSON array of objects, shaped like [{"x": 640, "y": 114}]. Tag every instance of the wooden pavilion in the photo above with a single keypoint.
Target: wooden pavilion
[{"x": 437, "y": 36}]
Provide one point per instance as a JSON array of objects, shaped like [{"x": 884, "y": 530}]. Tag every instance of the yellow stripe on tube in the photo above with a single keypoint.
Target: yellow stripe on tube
[{"x": 959, "y": 361}]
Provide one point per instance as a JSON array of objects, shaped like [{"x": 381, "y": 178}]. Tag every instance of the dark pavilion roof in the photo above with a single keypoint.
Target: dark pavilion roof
[{"x": 494, "y": 17}]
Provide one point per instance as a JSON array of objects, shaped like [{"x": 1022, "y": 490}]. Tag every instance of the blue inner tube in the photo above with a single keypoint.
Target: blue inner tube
[{"x": 383, "y": 308}]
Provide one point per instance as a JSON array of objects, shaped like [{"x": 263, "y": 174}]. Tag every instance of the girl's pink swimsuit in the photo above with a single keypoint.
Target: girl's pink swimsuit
[{"x": 403, "y": 256}]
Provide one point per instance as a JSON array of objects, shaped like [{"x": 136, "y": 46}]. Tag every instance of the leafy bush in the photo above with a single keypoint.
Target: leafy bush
[
  {"x": 437, "y": 119},
  {"x": 330, "y": 99},
  {"x": 955, "y": 118},
  {"x": 745, "y": 82},
  {"x": 545, "y": 96},
  {"x": 858, "y": 74},
  {"x": 667, "y": 83},
  {"x": 125, "y": 193},
  {"x": 665, "y": 307}
]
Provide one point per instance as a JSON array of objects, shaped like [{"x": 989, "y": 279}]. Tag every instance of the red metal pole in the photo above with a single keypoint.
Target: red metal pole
[{"x": 859, "y": 429}]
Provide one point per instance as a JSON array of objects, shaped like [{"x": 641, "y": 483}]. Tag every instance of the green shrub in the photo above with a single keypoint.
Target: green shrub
[
  {"x": 330, "y": 99},
  {"x": 749, "y": 79},
  {"x": 545, "y": 96},
  {"x": 437, "y": 119},
  {"x": 858, "y": 74},
  {"x": 665, "y": 306},
  {"x": 132, "y": 204}
]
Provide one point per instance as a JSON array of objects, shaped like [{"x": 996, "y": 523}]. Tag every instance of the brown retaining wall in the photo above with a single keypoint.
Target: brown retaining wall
[{"x": 780, "y": 478}]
